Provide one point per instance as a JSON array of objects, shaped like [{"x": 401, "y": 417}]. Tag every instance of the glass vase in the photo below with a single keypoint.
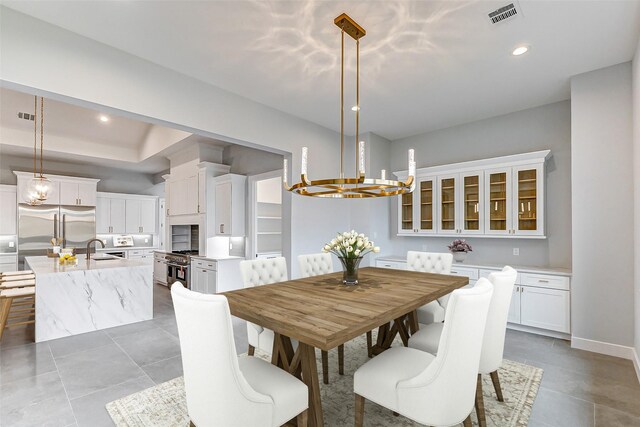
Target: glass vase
[{"x": 350, "y": 270}]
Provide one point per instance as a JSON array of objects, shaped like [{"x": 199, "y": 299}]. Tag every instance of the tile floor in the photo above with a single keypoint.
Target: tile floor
[{"x": 67, "y": 382}]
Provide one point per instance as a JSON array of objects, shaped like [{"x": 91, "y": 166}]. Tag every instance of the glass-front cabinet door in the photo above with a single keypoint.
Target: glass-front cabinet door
[
  {"x": 405, "y": 214},
  {"x": 425, "y": 193},
  {"x": 471, "y": 203},
  {"x": 498, "y": 201},
  {"x": 447, "y": 187},
  {"x": 528, "y": 200}
]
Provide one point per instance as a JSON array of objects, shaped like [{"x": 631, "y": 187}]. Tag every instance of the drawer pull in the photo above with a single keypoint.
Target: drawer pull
[{"x": 543, "y": 281}]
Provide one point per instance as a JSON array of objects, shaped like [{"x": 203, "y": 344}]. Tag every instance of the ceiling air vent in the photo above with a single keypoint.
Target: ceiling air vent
[
  {"x": 504, "y": 13},
  {"x": 26, "y": 116}
]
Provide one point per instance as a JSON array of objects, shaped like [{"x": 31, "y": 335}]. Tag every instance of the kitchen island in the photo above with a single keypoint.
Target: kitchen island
[{"x": 74, "y": 299}]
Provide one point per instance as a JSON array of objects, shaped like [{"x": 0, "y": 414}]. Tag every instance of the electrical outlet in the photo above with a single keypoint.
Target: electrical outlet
[
  {"x": 516, "y": 251},
  {"x": 146, "y": 240},
  {"x": 12, "y": 244}
]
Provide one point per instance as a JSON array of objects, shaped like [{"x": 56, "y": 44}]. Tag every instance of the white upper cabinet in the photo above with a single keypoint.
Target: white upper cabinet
[
  {"x": 141, "y": 215},
  {"x": 126, "y": 213},
  {"x": 74, "y": 193},
  {"x": 66, "y": 190},
  {"x": 183, "y": 195},
  {"x": 499, "y": 197},
  {"x": 229, "y": 205},
  {"x": 8, "y": 213},
  {"x": 110, "y": 215}
]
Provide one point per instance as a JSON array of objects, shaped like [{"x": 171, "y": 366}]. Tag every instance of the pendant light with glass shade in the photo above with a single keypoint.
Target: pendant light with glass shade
[
  {"x": 360, "y": 186},
  {"x": 39, "y": 187}
]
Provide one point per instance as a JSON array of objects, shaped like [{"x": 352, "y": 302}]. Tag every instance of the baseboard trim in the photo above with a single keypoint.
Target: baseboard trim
[
  {"x": 636, "y": 363},
  {"x": 609, "y": 349},
  {"x": 538, "y": 331}
]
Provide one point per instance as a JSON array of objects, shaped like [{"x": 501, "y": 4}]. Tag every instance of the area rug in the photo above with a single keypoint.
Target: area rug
[{"x": 165, "y": 405}]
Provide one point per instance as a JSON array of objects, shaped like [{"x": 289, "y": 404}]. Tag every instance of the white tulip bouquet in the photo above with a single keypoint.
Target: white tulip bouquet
[
  {"x": 350, "y": 247},
  {"x": 350, "y": 244}
]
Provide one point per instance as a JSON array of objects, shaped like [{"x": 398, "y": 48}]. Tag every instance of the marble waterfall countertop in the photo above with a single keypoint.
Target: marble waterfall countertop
[
  {"x": 89, "y": 296},
  {"x": 45, "y": 265}
]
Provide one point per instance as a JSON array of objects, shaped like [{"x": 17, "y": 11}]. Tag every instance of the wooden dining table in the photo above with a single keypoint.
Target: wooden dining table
[{"x": 321, "y": 312}]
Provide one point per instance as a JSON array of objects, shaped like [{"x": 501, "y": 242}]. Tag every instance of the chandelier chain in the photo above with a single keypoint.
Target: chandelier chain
[{"x": 35, "y": 135}]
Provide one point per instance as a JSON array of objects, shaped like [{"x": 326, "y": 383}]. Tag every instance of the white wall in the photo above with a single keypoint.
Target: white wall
[
  {"x": 269, "y": 191},
  {"x": 546, "y": 127},
  {"x": 636, "y": 198},
  {"x": 602, "y": 205}
]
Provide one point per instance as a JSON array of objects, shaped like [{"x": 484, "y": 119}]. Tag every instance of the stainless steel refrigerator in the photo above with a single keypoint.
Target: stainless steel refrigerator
[{"x": 37, "y": 225}]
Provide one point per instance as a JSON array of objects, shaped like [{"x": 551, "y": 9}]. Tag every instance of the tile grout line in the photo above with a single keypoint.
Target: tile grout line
[
  {"x": 64, "y": 387},
  {"x": 134, "y": 362}
]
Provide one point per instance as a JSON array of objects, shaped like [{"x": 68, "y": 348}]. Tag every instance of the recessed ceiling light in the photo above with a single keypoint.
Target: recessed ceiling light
[
  {"x": 520, "y": 50},
  {"x": 103, "y": 118},
  {"x": 355, "y": 108}
]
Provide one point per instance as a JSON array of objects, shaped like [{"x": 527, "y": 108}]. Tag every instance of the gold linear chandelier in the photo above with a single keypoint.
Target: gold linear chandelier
[{"x": 360, "y": 186}]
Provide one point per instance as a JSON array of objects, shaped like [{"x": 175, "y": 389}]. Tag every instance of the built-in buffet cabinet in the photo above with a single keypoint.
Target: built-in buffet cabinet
[
  {"x": 497, "y": 197},
  {"x": 126, "y": 213},
  {"x": 541, "y": 297},
  {"x": 210, "y": 276},
  {"x": 66, "y": 190}
]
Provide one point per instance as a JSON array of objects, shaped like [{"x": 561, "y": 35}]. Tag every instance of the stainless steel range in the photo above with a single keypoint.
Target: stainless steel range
[{"x": 178, "y": 267}]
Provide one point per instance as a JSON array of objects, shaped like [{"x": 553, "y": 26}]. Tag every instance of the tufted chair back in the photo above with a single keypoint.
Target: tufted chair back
[
  {"x": 315, "y": 264},
  {"x": 429, "y": 262},
  {"x": 493, "y": 344},
  {"x": 260, "y": 272}
]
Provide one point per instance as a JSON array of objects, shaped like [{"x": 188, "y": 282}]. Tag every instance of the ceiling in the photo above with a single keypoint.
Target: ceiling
[{"x": 425, "y": 65}]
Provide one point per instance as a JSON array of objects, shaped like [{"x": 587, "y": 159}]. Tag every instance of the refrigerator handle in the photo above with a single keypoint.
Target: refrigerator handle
[
  {"x": 64, "y": 230},
  {"x": 55, "y": 227}
]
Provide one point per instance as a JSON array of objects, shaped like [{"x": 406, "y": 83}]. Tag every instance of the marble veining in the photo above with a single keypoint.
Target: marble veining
[{"x": 82, "y": 300}]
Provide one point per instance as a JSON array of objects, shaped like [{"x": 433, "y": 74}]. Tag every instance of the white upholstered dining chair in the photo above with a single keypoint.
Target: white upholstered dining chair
[
  {"x": 222, "y": 388},
  {"x": 315, "y": 265},
  {"x": 431, "y": 262},
  {"x": 432, "y": 390},
  {"x": 428, "y": 337}
]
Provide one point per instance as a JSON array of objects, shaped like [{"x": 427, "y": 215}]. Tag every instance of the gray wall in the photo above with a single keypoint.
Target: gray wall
[
  {"x": 249, "y": 161},
  {"x": 636, "y": 187},
  {"x": 602, "y": 200},
  {"x": 546, "y": 127},
  {"x": 111, "y": 180}
]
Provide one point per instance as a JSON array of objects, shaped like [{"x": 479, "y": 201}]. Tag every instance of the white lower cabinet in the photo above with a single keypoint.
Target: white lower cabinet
[
  {"x": 540, "y": 300},
  {"x": 210, "y": 276},
  {"x": 545, "y": 308},
  {"x": 8, "y": 262}
]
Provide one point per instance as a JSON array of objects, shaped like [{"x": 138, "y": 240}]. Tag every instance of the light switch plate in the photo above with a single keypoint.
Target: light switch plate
[{"x": 516, "y": 251}]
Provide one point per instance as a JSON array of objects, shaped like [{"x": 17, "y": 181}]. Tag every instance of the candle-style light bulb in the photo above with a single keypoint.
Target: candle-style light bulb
[
  {"x": 304, "y": 161},
  {"x": 383, "y": 174},
  {"x": 361, "y": 157},
  {"x": 285, "y": 171},
  {"x": 412, "y": 163}
]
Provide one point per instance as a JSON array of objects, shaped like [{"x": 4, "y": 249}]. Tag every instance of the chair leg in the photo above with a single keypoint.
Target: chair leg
[
  {"x": 5, "y": 306},
  {"x": 369, "y": 344},
  {"x": 341, "y": 359},
  {"x": 496, "y": 385},
  {"x": 482, "y": 421},
  {"x": 303, "y": 418},
  {"x": 325, "y": 367},
  {"x": 251, "y": 351},
  {"x": 191, "y": 424},
  {"x": 467, "y": 421},
  {"x": 359, "y": 410}
]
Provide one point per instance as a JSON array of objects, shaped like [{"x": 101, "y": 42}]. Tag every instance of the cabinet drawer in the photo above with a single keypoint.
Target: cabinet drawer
[
  {"x": 207, "y": 264},
  {"x": 545, "y": 281},
  {"x": 484, "y": 272},
  {"x": 391, "y": 264},
  {"x": 135, "y": 253},
  {"x": 471, "y": 273}
]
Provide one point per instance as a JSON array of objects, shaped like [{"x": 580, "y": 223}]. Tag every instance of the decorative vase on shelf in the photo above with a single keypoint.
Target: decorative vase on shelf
[
  {"x": 459, "y": 256},
  {"x": 350, "y": 270}
]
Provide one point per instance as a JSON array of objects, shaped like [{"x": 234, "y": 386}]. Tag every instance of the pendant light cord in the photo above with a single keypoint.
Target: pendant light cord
[
  {"x": 342, "y": 108},
  {"x": 357, "y": 150},
  {"x": 35, "y": 134},
  {"x": 41, "y": 131}
]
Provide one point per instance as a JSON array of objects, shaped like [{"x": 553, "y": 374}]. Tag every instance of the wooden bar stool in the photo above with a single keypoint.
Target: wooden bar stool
[{"x": 17, "y": 299}]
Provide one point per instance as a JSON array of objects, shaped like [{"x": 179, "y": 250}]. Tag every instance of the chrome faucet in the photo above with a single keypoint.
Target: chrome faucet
[{"x": 89, "y": 247}]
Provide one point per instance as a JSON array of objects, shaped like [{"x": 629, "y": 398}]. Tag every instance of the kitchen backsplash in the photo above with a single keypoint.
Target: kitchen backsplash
[{"x": 139, "y": 240}]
